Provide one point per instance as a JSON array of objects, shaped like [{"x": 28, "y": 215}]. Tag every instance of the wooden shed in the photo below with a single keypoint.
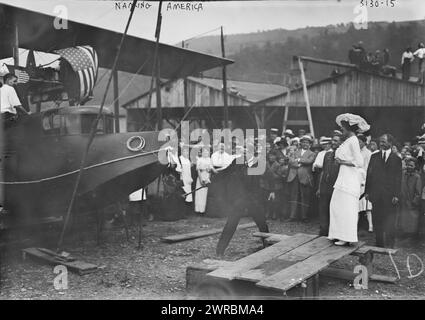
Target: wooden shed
[
  {"x": 202, "y": 100},
  {"x": 388, "y": 103}
]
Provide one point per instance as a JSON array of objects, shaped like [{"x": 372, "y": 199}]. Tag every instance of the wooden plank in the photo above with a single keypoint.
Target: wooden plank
[
  {"x": 256, "y": 259},
  {"x": 299, "y": 272},
  {"x": 284, "y": 261},
  {"x": 349, "y": 275},
  {"x": 201, "y": 234},
  {"x": 327, "y": 62},
  {"x": 296, "y": 123},
  {"x": 77, "y": 266},
  {"x": 274, "y": 238},
  {"x": 378, "y": 250},
  {"x": 382, "y": 278},
  {"x": 271, "y": 238}
]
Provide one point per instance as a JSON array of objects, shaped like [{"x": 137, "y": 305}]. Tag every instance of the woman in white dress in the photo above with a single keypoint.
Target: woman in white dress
[
  {"x": 204, "y": 167},
  {"x": 186, "y": 174},
  {"x": 344, "y": 206}
]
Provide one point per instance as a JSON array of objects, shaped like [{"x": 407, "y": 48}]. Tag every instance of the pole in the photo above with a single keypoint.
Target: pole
[
  {"x": 16, "y": 44},
  {"x": 224, "y": 76},
  {"x": 307, "y": 101},
  {"x": 155, "y": 56},
  {"x": 287, "y": 101},
  {"x": 158, "y": 97},
  {"x": 186, "y": 102},
  {"x": 116, "y": 102}
]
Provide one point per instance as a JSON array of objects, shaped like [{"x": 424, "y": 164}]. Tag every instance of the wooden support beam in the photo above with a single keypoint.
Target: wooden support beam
[
  {"x": 326, "y": 62},
  {"x": 201, "y": 234},
  {"x": 297, "y": 122},
  {"x": 349, "y": 275},
  {"x": 307, "y": 101}
]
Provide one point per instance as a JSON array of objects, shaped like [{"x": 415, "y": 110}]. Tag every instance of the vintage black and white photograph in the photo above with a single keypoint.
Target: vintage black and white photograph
[{"x": 212, "y": 150}]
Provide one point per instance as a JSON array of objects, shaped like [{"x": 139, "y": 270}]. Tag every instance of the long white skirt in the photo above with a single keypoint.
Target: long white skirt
[
  {"x": 344, "y": 211},
  {"x": 187, "y": 188},
  {"x": 200, "y": 197}
]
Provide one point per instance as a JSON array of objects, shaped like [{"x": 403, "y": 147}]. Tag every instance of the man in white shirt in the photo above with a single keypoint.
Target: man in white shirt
[
  {"x": 420, "y": 54},
  {"x": 220, "y": 158},
  {"x": 325, "y": 142},
  {"x": 9, "y": 101}
]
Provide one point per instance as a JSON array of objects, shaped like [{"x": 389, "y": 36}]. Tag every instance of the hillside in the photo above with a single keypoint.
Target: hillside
[{"x": 265, "y": 56}]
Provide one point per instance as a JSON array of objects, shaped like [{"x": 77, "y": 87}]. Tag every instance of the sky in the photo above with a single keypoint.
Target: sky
[{"x": 234, "y": 16}]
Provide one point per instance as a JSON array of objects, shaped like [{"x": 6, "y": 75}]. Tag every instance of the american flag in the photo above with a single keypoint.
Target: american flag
[
  {"x": 23, "y": 76},
  {"x": 83, "y": 60},
  {"x": 20, "y": 73}
]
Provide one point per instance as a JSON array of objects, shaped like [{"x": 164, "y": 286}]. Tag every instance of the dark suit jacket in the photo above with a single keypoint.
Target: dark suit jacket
[
  {"x": 329, "y": 174},
  {"x": 383, "y": 179},
  {"x": 304, "y": 172}
]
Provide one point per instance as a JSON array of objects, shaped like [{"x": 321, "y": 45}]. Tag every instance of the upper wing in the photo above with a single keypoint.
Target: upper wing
[{"x": 36, "y": 31}]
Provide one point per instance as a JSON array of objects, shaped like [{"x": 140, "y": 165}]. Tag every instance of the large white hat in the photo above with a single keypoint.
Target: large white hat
[
  {"x": 289, "y": 132},
  {"x": 353, "y": 119}
]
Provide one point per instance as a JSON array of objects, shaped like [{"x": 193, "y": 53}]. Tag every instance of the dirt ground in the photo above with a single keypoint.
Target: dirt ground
[{"x": 157, "y": 271}]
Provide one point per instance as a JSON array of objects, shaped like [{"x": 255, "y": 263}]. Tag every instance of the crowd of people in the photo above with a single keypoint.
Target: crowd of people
[
  {"x": 334, "y": 180},
  {"x": 378, "y": 61}
]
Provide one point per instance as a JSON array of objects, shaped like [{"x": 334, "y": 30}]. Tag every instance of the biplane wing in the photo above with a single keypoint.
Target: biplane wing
[{"x": 36, "y": 31}]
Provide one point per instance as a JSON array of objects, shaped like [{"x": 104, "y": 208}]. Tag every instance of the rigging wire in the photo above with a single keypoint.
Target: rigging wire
[
  {"x": 201, "y": 34},
  {"x": 129, "y": 83}
]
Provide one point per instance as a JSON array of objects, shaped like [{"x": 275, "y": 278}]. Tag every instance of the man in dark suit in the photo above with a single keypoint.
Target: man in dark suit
[
  {"x": 243, "y": 200},
  {"x": 300, "y": 178},
  {"x": 383, "y": 189},
  {"x": 326, "y": 185}
]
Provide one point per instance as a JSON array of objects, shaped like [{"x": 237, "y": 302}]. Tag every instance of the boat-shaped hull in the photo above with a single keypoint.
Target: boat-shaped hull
[{"x": 38, "y": 185}]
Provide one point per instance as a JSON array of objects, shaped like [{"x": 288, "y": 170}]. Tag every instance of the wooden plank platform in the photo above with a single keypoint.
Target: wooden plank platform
[
  {"x": 50, "y": 257},
  {"x": 301, "y": 271},
  {"x": 256, "y": 259},
  {"x": 197, "y": 281},
  {"x": 201, "y": 234},
  {"x": 289, "y": 267},
  {"x": 284, "y": 261},
  {"x": 272, "y": 238}
]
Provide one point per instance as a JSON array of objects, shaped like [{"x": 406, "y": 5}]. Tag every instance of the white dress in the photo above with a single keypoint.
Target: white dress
[
  {"x": 204, "y": 166},
  {"x": 344, "y": 206},
  {"x": 186, "y": 177}
]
